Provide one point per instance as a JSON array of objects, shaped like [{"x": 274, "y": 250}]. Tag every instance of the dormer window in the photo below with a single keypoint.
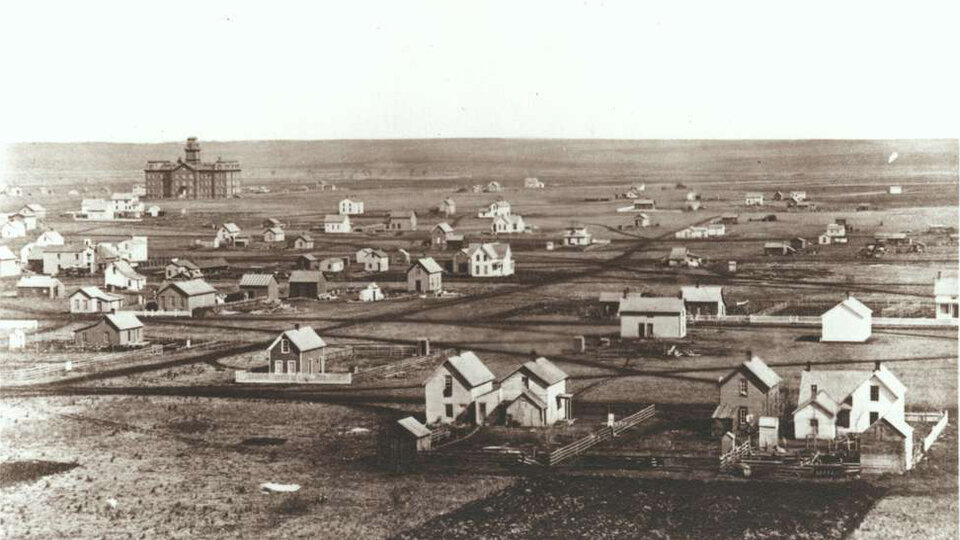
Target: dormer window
[
  {"x": 813, "y": 390},
  {"x": 284, "y": 345},
  {"x": 874, "y": 393},
  {"x": 526, "y": 382},
  {"x": 743, "y": 387}
]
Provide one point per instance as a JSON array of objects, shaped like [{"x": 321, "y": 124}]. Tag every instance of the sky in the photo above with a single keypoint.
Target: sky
[{"x": 133, "y": 72}]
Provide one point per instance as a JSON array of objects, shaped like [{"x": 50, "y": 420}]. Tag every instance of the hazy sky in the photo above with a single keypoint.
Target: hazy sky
[{"x": 118, "y": 71}]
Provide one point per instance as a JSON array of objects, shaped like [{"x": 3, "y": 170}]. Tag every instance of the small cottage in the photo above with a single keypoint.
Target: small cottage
[
  {"x": 373, "y": 260},
  {"x": 484, "y": 260},
  {"x": 704, "y": 300},
  {"x": 652, "y": 317},
  {"x": 641, "y": 221},
  {"x": 262, "y": 286},
  {"x": 405, "y": 220},
  {"x": 511, "y": 224},
  {"x": 753, "y": 198},
  {"x": 271, "y": 223},
  {"x": 302, "y": 241},
  {"x": 308, "y": 261},
  {"x": 113, "y": 330},
  {"x": 93, "y": 300},
  {"x": 337, "y": 224},
  {"x": 848, "y": 321},
  {"x": 440, "y": 234},
  {"x": 306, "y": 284},
  {"x": 644, "y": 204},
  {"x": 532, "y": 182},
  {"x": 299, "y": 350},
  {"x": 681, "y": 257},
  {"x": 274, "y": 234},
  {"x": 334, "y": 265},
  {"x": 425, "y": 276},
  {"x": 778, "y": 248},
  {"x": 227, "y": 234},
  {"x": 576, "y": 235},
  {"x": 730, "y": 219},
  {"x": 186, "y": 295},
  {"x": 39, "y": 286},
  {"x": 120, "y": 275}
]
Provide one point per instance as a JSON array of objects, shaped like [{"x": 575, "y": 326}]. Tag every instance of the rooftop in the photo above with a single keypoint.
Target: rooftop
[{"x": 668, "y": 304}]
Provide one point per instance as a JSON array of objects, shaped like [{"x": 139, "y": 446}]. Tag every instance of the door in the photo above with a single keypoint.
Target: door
[
  {"x": 642, "y": 330},
  {"x": 278, "y": 366},
  {"x": 419, "y": 285},
  {"x": 291, "y": 366},
  {"x": 483, "y": 412}
]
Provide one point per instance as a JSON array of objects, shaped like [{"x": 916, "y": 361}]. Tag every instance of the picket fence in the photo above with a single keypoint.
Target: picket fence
[
  {"x": 935, "y": 432},
  {"x": 804, "y": 320}
]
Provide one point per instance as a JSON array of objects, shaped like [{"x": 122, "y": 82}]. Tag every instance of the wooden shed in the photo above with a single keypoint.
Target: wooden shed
[{"x": 400, "y": 442}]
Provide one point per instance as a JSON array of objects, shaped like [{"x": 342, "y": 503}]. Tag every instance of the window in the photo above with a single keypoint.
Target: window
[
  {"x": 874, "y": 416},
  {"x": 483, "y": 411},
  {"x": 448, "y": 410},
  {"x": 742, "y": 416},
  {"x": 526, "y": 381},
  {"x": 815, "y": 426},
  {"x": 813, "y": 390},
  {"x": 843, "y": 418},
  {"x": 284, "y": 345},
  {"x": 743, "y": 387},
  {"x": 447, "y": 386},
  {"x": 874, "y": 394}
]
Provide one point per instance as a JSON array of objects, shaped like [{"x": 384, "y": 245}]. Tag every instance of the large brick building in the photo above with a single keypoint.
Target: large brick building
[{"x": 191, "y": 178}]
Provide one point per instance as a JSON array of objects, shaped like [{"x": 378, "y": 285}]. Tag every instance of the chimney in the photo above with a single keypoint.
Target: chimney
[
  {"x": 848, "y": 294},
  {"x": 626, "y": 291},
  {"x": 749, "y": 355},
  {"x": 809, "y": 365},
  {"x": 876, "y": 365},
  {"x": 939, "y": 274},
  {"x": 296, "y": 326}
]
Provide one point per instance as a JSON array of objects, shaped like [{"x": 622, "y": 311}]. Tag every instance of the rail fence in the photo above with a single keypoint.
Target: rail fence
[
  {"x": 393, "y": 368},
  {"x": 241, "y": 376},
  {"x": 607, "y": 432},
  {"x": 935, "y": 432},
  {"x": 52, "y": 371},
  {"x": 734, "y": 455}
]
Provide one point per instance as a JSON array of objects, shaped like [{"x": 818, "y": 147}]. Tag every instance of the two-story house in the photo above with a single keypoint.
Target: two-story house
[
  {"x": 350, "y": 207},
  {"x": 834, "y": 402},
  {"x": 749, "y": 391},
  {"x": 484, "y": 260},
  {"x": 299, "y": 350},
  {"x": 461, "y": 390},
  {"x": 535, "y": 395}
]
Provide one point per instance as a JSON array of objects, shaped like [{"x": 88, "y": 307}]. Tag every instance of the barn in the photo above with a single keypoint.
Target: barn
[
  {"x": 652, "y": 317},
  {"x": 39, "y": 286},
  {"x": 260, "y": 286},
  {"x": 400, "y": 442},
  {"x": 425, "y": 275},
  {"x": 186, "y": 295},
  {"x": 307, "y": 284}
]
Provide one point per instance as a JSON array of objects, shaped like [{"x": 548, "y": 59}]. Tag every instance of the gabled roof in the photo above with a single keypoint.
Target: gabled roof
[
  {"x": 6, "y": 254},
  {"x": 274, "y": 222},
  {"x": 123, "y": 320},
  {"x": 839, "y": 384},
  {"x": 230, "y": 227},
  {"x": 544, "y": 370},
  {"x": 127, "y": 271},
  {"x": 444, "y": 226},
  {"x": 615, "y": 297},
  {"x": 681, "y": 253},
  {"x": 185, "y": 263},
  {"x": 752, "y": 194},
  {"x": 335, "y": 218},
  {"x": 256, "y": 280},
  {"x": 303, "y": 339},
  {"x": 378, "y": 253},
  {"x": 531, "y": 397},
  {"x": 305, "y": 237},
  {"x": 702, "y": 293},
  {"x": 190, "y": 287},
  {"x": 401, "y": 214},
  {"x": 429, "y": 265},
  {"x": 854, "y": 306},
  {"x": 309, "y": 257},
  {"x": 96, "y": 293},
  {"x": 306, "y": 276},
  {"x": 651, "y": 305},
  {"x": 415, "y": 428},
  {"x": 473, "y": 371},
  {"x": 759, "y": 369},
  {"x": 896, "y": 423},
  {"x": 823, "y": 401},
  {"x": 274, "y": 230}
]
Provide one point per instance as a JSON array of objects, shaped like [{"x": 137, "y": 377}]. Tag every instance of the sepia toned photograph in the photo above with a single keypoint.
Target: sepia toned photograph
[{"x": 449, "y": 270}]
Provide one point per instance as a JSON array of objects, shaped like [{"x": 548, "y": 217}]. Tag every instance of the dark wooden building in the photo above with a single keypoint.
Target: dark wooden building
[
  {"x": 192, "y": 178},
  {"x": 307, "y": 284},
  {"x": 400, "y": 442}
]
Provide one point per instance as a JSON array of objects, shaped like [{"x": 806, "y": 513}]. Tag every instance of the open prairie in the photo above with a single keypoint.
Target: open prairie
[{"x": 181, "y": 449}]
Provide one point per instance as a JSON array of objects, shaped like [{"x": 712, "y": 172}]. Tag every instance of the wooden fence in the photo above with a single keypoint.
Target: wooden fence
[
  {"x": 607, "y": 432},
  {"x": 291, "y": 378},
  {"x": 813, "y": 321},
  {"x": 159, "y": 313},
  {"x": 52, "y": 371},
  {"x": 935, "y": 432},
  {"x": 734, "y": 455},
  {"x": 393, "y": 368}
]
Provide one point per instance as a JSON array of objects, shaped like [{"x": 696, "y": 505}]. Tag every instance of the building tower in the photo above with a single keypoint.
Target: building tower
[{"x": 192, "y": 149}]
